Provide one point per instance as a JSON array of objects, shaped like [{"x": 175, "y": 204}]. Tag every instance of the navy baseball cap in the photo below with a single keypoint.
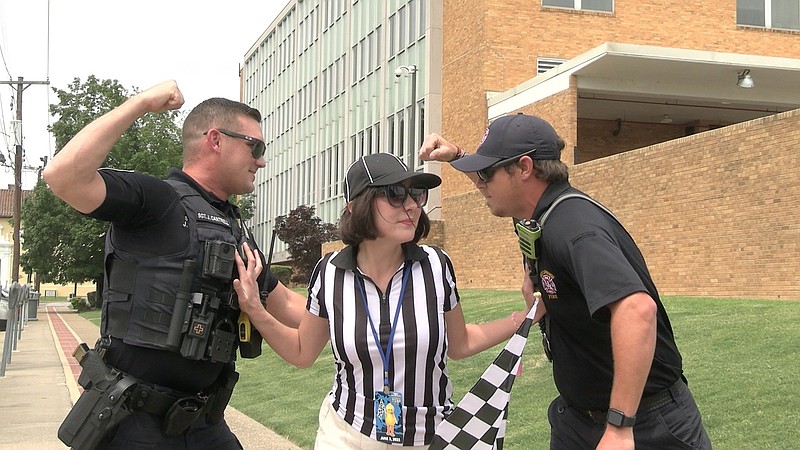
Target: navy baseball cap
[
  {"x": 383, "y": 169},
  {"x": 511, "y": 136}
]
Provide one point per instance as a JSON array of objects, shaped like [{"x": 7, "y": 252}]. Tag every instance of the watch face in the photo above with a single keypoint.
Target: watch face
[{"x": 618, "y": 419}]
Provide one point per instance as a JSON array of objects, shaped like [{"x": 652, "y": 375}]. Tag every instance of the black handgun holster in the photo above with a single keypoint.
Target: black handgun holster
[
  {"x": 222, "y": 395},
  {"x": 96, "y": 413}
]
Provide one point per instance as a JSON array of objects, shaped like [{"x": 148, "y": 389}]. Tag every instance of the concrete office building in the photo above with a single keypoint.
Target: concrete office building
[
  {"x": 334, "y": 81},
  {"x": 680, "y": 116}
]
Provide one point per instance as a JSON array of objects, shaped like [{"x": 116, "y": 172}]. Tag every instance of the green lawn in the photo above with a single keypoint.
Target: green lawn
[{"x": 740, "y": 356}]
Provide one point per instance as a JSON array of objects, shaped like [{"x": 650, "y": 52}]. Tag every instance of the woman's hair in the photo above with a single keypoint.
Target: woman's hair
[{"x": 359, "y": 225}]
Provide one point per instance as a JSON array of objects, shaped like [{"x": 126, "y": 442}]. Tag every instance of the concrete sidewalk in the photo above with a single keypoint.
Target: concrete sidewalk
[{"x": 40, "y": 385}]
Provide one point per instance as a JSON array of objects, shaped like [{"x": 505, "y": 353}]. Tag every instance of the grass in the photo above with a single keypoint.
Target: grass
[
  {"x": 93, "y": 316},
  {"x": 740, "y": 357},
  {"x": 57, "y": 299}
]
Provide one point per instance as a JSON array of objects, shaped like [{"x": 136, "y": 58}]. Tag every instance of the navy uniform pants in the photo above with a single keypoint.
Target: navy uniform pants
[
  {"x": 674, "y": 425},
  {"x": 143, "y": 430}
]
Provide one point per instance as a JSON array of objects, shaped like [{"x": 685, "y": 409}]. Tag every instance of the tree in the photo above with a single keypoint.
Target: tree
[
  {"x": 304, "y": 233},
  {"x": 61, "y": 245},
  {"x": 246, "y": 204}
]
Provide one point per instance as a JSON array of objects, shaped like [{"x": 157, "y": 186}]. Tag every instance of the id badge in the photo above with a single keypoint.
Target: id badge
[{"x": 389, "y": 417}]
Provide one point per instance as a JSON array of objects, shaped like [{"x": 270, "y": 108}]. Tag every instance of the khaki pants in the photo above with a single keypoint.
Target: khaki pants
[{"x": 336, "y": 434}]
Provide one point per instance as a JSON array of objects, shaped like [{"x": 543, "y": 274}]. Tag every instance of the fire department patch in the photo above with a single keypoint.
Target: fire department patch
[{"x": 548, "y": 284}]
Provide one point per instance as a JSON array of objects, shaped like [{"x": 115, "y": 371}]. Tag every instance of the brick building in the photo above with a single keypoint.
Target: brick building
[{"x": 704, "y": 173}]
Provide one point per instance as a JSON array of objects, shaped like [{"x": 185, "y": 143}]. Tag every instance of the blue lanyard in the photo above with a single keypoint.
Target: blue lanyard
[{"x": 385, "y": 353}]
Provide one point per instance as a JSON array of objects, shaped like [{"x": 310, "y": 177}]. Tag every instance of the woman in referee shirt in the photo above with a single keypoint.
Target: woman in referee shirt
[{"x": 391, "y": 310}]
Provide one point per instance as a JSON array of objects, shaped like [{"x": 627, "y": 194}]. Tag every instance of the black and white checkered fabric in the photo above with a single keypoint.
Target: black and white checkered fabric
[{"x": 479, "y": 419}]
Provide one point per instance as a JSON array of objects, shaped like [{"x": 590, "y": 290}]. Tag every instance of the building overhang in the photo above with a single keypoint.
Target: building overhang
[{"x": 644, "y": 83}]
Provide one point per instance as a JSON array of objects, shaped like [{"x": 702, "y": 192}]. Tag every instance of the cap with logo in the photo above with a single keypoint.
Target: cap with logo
[
  {"x": 511, "y": 136},
  {"x": 383, "y": 169}
]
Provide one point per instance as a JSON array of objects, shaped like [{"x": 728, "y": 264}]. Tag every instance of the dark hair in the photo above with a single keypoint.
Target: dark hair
[
  {"x": 549, "y": 170},
  {"x": 359, "y": 225},
  {"x": 216, "y": 112}
]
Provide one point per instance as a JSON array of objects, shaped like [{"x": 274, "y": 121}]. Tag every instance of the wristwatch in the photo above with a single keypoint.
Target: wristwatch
[{"x": 619, "y": 419}]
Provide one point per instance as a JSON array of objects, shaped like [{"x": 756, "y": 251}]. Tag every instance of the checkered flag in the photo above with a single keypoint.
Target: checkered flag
[{"x": 479, "y": 420}]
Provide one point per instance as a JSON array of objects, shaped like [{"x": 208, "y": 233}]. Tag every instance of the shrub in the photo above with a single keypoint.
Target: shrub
[
  {"x": 91, "y": 299},
  {"x": 79, "y": 304},
  {"x": 284, "y": 273}
]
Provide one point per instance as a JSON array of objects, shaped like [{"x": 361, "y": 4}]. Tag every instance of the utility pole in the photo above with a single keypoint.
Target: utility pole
[{"x": 20, "y": 86}]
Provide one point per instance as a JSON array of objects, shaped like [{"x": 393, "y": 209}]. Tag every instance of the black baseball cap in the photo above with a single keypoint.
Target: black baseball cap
[
  {"x": 383, "y": 169},
  {"x": 511, "y": 136}
]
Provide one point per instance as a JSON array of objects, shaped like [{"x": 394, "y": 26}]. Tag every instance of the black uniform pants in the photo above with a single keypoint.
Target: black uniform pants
[
  {"x": 675, "y": 425},
  {"x": 142, "y": 430}
]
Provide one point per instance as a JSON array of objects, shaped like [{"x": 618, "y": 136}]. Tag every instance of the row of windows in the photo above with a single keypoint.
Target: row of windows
[
  {"x": 307, "y": 100},
  {"x": 333, "y": 10},
  {"x": 589, "y": 5},
  {"x": 406, "y": 26},
  {"x": 333, "y": 80},
  {"x": 782, "y": 14},
  {"x": 366, "y": 55},
  {"x": 307, "y": 30}
]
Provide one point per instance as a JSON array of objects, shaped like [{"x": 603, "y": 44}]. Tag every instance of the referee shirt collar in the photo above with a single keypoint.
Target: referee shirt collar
[{"x": 346, "y": 259}]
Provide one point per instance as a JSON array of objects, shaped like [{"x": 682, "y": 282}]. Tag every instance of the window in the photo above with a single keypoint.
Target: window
[
  {"x": 589, "y": 5},
  {"x": 783, "y": 14}
]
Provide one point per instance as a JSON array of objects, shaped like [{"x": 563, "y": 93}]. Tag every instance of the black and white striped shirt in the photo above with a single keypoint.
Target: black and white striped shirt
[{"x": 417, "y": 363}]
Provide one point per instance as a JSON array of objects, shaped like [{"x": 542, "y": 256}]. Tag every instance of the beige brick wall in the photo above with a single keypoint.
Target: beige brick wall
[{"x": 715, "y": 214}]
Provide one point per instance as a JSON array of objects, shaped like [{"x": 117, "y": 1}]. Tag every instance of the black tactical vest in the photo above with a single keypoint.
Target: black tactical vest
[{"x": 140, "y": 292}]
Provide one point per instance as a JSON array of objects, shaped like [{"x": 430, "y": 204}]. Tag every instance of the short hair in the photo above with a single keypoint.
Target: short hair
[
  {"x": 216, "y": 112},
  {"x": 549, "y": 170},
  {"x": 359, "y": 225}
]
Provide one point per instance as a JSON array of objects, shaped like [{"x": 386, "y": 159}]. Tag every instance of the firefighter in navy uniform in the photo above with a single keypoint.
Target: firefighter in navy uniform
[{"x": 163, "y": 370}]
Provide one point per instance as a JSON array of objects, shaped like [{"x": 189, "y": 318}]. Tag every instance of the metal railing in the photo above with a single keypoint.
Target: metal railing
[{"x": 20, "y": 300}]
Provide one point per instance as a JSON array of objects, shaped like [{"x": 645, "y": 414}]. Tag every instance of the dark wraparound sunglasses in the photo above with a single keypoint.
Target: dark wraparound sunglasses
[
  {"x": 396, "y": 194},
  {"x": 486, "y": 174},
  {"x": 257, "y": 146}
]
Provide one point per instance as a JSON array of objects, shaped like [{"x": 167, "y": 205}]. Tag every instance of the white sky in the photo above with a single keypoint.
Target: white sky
[{"x": 199, "y": 43}]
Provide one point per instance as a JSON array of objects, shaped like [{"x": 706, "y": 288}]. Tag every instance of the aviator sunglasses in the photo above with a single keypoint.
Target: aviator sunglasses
[
  {"x": 396, "y": 194},
  {"x": 486, "y": 174},
  {"x": 257, "y": 146}
]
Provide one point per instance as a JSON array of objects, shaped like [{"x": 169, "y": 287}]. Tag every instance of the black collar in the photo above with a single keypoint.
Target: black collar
[
  {"x": 222, "y": 205},
  {"x": 553, "y": 191}
]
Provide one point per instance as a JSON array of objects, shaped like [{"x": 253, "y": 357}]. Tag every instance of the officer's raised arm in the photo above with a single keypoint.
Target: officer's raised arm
[{"x": 72, "y": 173}]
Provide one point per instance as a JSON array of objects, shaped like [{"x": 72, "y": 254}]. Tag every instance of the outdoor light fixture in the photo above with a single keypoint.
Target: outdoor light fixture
[
  {"x": 666, "y": 119},
  {"x": 411, "y": 70},
  {"x": 745, "y": 80}
]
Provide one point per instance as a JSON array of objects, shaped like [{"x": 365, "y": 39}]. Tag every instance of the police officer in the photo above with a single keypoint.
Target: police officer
[{"x": 169, "y": 253}]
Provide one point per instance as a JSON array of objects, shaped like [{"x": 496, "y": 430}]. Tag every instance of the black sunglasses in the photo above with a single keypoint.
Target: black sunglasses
[
  {"x": 486, "y": 174},
  {"x": 257, "y": 146},
  {"x": 396, "y": 194}
]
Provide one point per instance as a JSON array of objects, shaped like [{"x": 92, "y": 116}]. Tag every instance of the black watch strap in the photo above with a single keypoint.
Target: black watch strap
[{"x": 619, "y": 419}]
